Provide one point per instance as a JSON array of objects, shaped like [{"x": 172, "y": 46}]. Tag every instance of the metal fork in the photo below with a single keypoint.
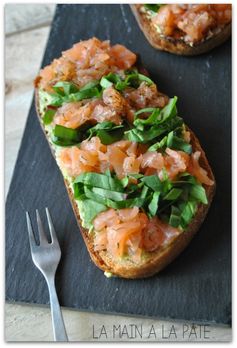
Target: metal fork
[{"x": 46, "y": 257}]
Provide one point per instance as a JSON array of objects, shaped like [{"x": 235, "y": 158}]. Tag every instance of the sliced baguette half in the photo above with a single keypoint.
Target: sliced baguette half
[
  {"x": 155, "y": 261},
  {"x": 172, "y": 45}
]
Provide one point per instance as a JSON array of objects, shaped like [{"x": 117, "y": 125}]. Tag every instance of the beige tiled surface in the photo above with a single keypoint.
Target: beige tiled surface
[{"x": 25, "y": 26}]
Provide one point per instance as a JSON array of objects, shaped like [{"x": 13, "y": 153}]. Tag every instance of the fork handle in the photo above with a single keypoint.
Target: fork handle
[{"x": 59, "y": 330}]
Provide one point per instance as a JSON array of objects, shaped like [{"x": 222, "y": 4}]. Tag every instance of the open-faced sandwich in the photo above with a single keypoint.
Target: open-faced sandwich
[
  {"x": 138, "y": 180},
  {"x": 184, "y": 28}
]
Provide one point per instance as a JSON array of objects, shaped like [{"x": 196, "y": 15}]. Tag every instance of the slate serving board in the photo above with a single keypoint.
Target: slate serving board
[{"x": 197, "y": 285}]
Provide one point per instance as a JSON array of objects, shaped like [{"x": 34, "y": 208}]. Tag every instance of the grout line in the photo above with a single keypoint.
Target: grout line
[{"x": 38, "y": 26}]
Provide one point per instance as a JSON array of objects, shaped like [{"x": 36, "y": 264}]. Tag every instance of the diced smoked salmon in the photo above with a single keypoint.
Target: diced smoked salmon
[{"x": 196, "y": 170}]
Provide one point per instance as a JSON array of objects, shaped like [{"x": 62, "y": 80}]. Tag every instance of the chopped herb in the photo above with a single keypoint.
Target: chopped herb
[
  {"x": 153, "y": 206},
  {"x": 175, "y": 218},
  {"x": 153, "y": 7},
  {"x": 198, "y": 192},
  {"x": 100, "y": 180},
  {"x": 48, "y": 116},
  {"x": 159, "y": 123},
  {"x": 107, "y": 131},
  {"x": 64, "y": 136},
  {"x": 132, "y": 79}
]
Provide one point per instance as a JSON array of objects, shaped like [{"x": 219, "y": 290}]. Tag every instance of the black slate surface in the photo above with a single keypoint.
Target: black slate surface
[{"x": 197, "y": 285}]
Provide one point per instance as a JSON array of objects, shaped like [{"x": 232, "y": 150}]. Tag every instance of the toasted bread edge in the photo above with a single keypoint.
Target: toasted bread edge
[{"x": 158, "y": 259}]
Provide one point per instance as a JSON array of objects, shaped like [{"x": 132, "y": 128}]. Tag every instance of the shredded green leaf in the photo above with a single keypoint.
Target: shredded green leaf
[
  {"x": 89, "y": 209},
  {"x": 48, "y": 116},
  {"x": 100, "y": 180},
  {"x": 153, "y": 7},
  {"x": 159, "y": 123},
  {"x": 153, "y": 206},
  {"x": 132, "y": 79},
  {"x": 107, "y": 131},
  {"x": 64, "y": 136}
]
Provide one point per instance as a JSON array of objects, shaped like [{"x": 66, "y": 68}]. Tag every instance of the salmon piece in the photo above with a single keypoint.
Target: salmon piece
[
  {"x": 131, "y": 165},
  {"x": 165, "y": 20},
  {"x": 191, "y": 22},
  {"x": 107, "y": 218},
  {"x": 47, "y": 75},
  {"x": 128, "y": 213},
  {"x": 86, "y": 61},
  {"x": 59, "y": 69},
  {"x": 121, "y": 144},
  {"x": 157, "y": 233},
  {"x": 176, "y": 162},
  {"x": 103, "y": 113},
  {"x": 75, "y": 161},
  {"x": 73, "y": 115},
  {"x": 87, "y": 53},
  {"x": 132, "y": 149},
  {"x": 116, "y": 159},
  {"x": 130, "y": 231},
  {"x": 152, "y": 159},
  {"x": 122, "y": 57},
  {"x": 141, "y": 149},
  {"x": 94, "y": 144},
  {"x": 196, "y": 170},
  {"x": 143, "y": 219},
  {"x": 114, "y": 99},
  {"x": 150, "y": 171},
  {"x": 123, "y": 229},
  {"x": 196, "y": 25},
  {"x": 145, "y": 96},
  {"x": 118, "y": 236}
]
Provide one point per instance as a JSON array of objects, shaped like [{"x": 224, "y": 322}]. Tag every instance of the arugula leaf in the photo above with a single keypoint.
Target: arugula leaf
[{"x": 48, "y": 116}]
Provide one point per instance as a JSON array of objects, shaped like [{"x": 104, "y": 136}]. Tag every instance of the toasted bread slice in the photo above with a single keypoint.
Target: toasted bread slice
[
  {"x": 154, "y": 261},
  {"x": 177, "y": 46}
]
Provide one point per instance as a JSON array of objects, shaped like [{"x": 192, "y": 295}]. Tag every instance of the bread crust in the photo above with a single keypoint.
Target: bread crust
[
  {"x": 177, "y": 46},
  {"x": 157, "y": 260}
]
